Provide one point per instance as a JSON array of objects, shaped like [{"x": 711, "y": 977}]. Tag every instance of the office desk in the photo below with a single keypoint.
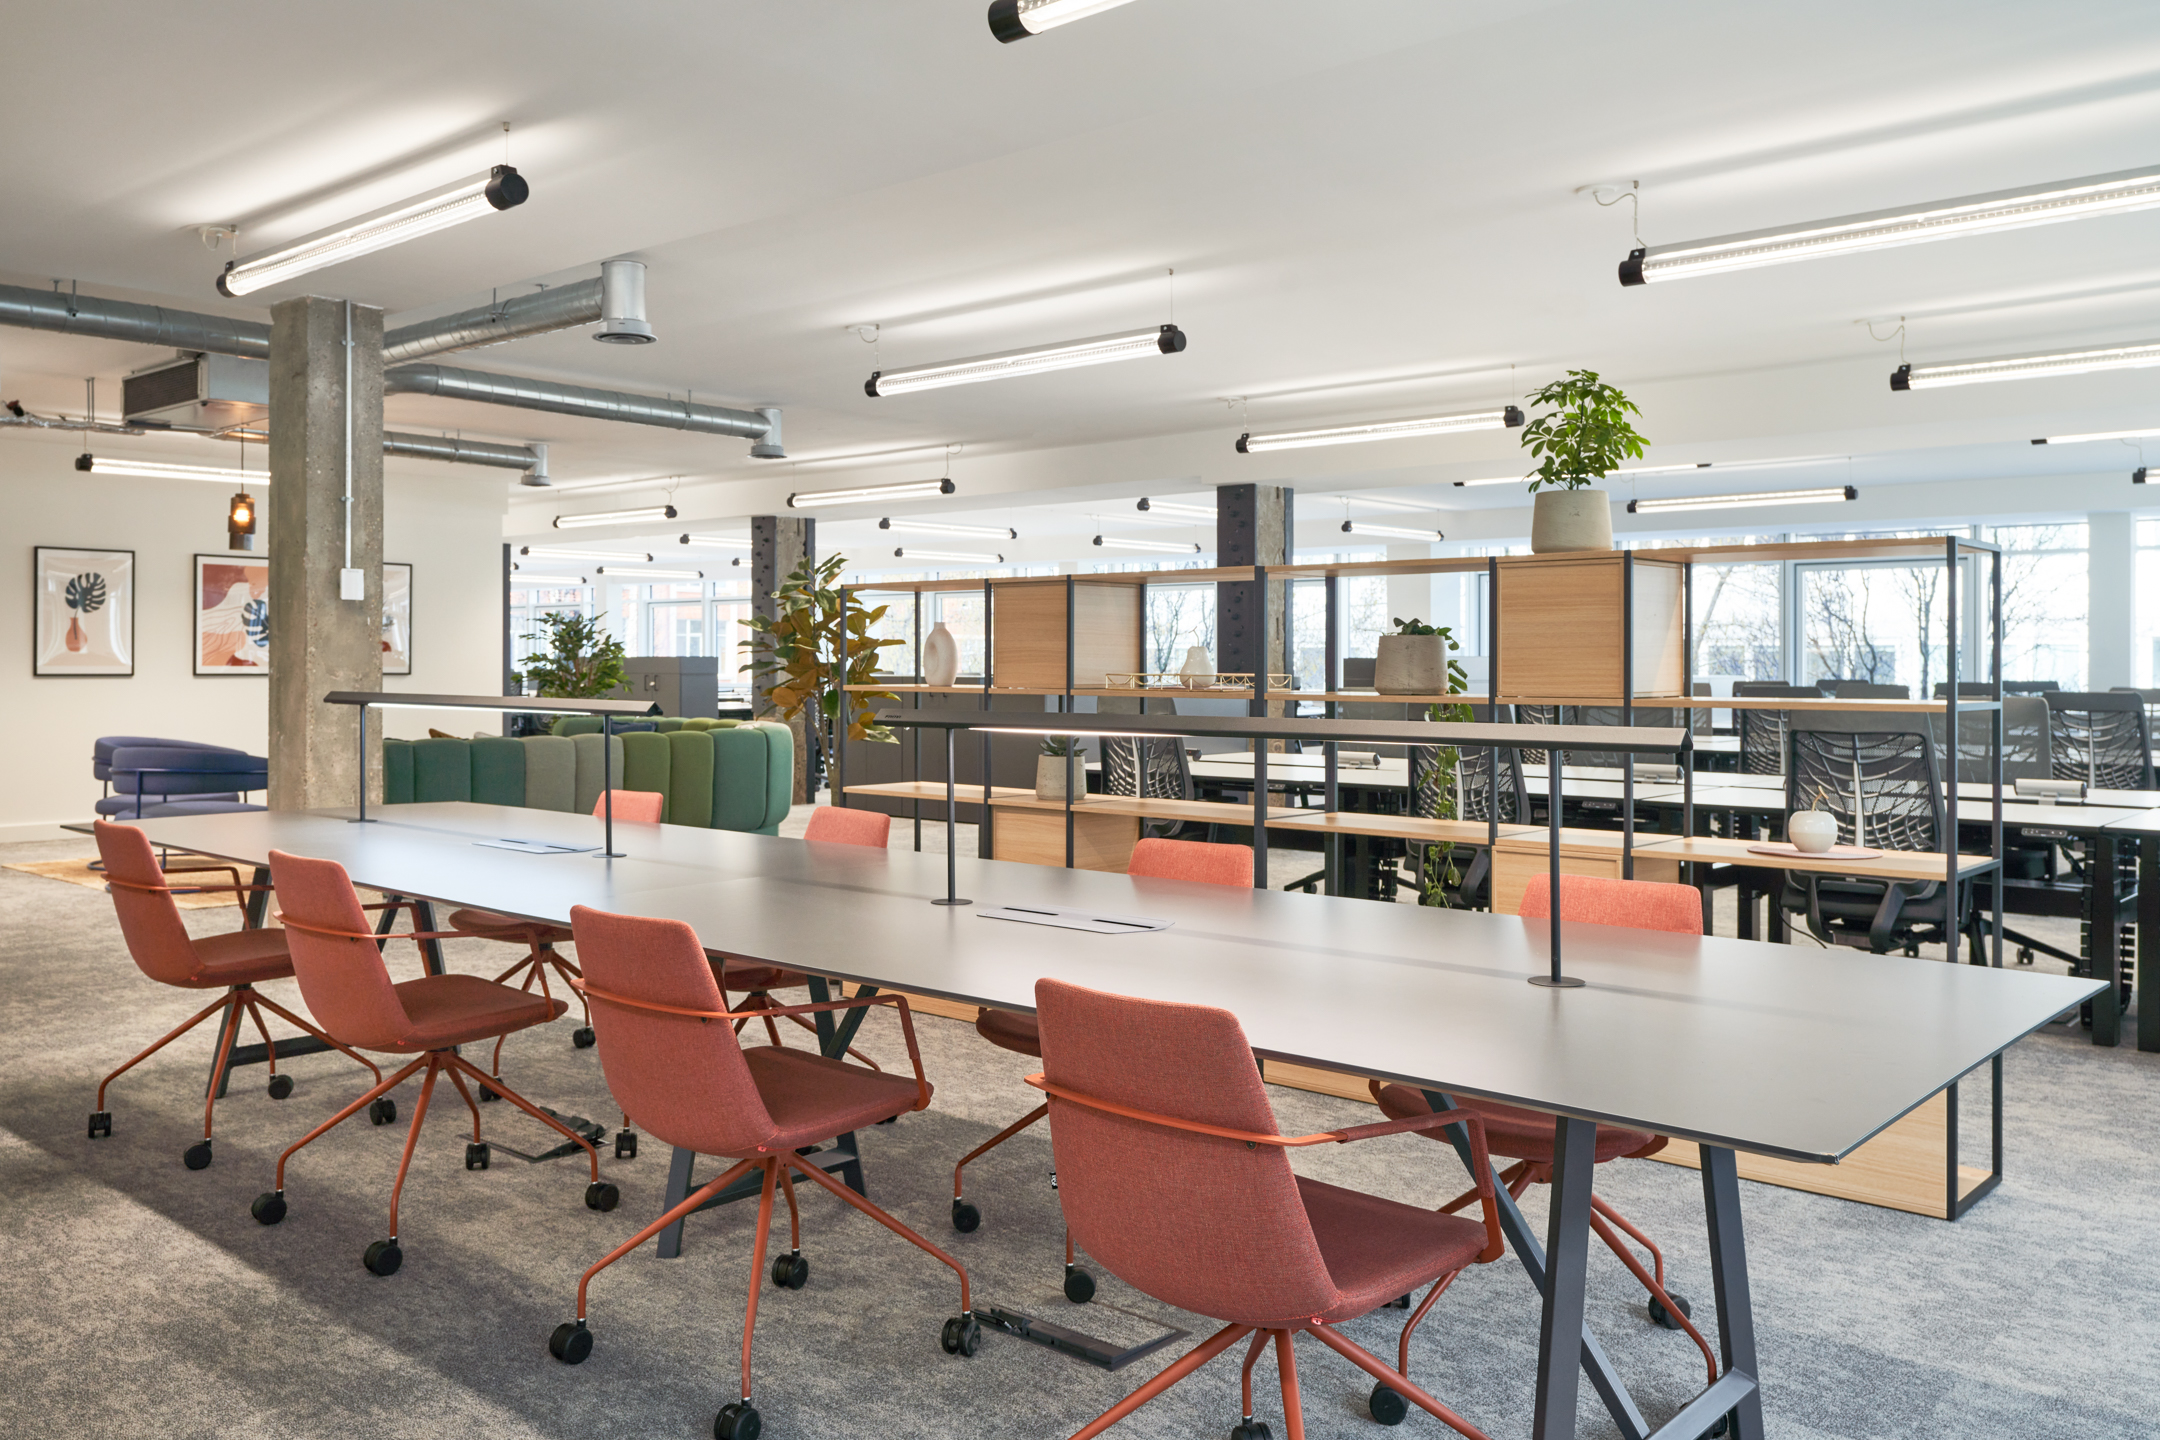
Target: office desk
[{"x": 1799, "y": 1055}]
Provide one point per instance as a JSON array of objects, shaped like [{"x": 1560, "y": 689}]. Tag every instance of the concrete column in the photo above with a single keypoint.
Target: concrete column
[
  {"x": 1253, "y": 526},
  {"x": 779, "y": 545},
  {"x": 320, "y": 642},
  {"x": 2110, "y": 611}
]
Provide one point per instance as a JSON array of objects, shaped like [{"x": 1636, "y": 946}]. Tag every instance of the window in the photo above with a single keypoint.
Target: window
[
  {"x": 1882, "y": 622},
  {"x": 1739, "y": 622},
  {"x": 676, "y": 619},
  {"x": 961, "y": 612},
  {"x": 1178, "y": 617},
  {"x": 2145, "y": 642},
  {"x": 2045, "y": 602},
  {"x": 898, "y": 623}
]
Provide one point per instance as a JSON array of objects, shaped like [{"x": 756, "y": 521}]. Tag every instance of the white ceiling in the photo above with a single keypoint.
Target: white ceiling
[{"x": 1371, "y": 207}]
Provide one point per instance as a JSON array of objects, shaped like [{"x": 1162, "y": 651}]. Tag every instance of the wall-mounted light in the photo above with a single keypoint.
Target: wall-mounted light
[
  {"x": 957, "y": 557},
  {"x": 552, "y": 552},
  {"x": 158, "y": 470},
  {"x": 1012, "y": 20},
  {"x": 939, "y": 527},
  {"x": 1502, "y": 419},
  {"x": 1066, "y": 355},
  {"x": 1741, "y": 502},
  {"x": 240, "y": 522},
  {"x": 1175, "y": 507},
  {"x": 906, "y": 490},
  {"x": 1910, "y": 225},
  {"x": 620, "y": 573},
  {"x": 614, "y": 517},
  {"x": 1366, "y": 527},
  {"x": 1160, "y": 547},
  {"x": 499, "y": 189},
  {"x": 2097, "y": 435},
  {"x": 2139, "y": 356}
]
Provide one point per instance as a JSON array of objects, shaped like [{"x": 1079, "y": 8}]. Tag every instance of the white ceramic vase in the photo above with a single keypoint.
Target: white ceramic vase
[
  {"x": 1197, "y": 667},
  {"x": 940, "y": 656},
  {"x": 1411, "y": 665},
  {"x": 1570, "y": 520},
  {"x": 1812, "y": 832}
]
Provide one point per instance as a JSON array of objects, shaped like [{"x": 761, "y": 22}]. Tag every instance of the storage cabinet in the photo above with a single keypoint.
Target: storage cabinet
[{"x": 1563, "y": 628}]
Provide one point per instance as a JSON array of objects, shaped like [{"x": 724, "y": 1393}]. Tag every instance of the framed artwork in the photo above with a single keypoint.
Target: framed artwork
[
  {"x": 232, "y": 615},
  {"x": 396, "y": 618},
  {"x": 83, "y": 611}
]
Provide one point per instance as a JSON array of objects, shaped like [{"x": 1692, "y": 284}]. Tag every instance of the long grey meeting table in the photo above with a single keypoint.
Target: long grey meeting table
[{"x": 1733, "y": 1044}]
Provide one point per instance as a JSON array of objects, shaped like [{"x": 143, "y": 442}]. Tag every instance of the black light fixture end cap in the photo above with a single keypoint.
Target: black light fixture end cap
[
  {"x": 1241, "y": 447},
  {"x": 946, "y": 487},
  {"x": 1005, "y": 21},
  {"x": 1011, "y": 533},
  {"x": 506, "y": 188},
  {"x": 221, "y": 281},
  {"x": 885, "y": 524},
  {"x": 1346, "y": 528},
  {"x": 1852, "y": 492},
  {"x": 1511, "y": 417},
  {"x": 2137, "y": 476},
  {"x": 1901, "y": 378},
  {"x": 1098, "y": 540},
  {"x": 869, "y": 386},
  {"x": 85, "y": 460},
  {"x": 791, "y": 503},
  {"x": 1143, "y": 505},
  {"x": 899, "y": 553},
  {"x": 1172, "y": 340},
  {"x": 1631, "y": 507},
  {"x": 2041, "y": 441},
  {"x": 682, "y": 539},
  {"x": 1631, "y": 268},
  {"x": 670, "y": 515}
]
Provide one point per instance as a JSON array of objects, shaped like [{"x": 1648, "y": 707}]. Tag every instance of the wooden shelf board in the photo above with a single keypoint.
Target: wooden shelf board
[
  {"x": 1395, "y": 827},
  {"x": 935, "y": 790},
  {"x": 1895, "y": 864},
  {"x": 1207, "y": 811}
]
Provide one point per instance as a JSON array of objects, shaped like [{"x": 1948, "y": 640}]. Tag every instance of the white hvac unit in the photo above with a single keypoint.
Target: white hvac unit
[{"x": 198, "y": 391}]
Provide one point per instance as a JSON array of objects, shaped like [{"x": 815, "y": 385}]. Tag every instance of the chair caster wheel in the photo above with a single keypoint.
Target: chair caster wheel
[
  {"x": 477, "y": 1155},
  {"x": 1661, "y": 1317},
  {"x": 790, "y": 1272},
  {"x": 100, "y": 1123},
  {"x": 1079, "y": 1285},
  {"x": 737, "y": 1422},
  {"x": 382, "y": 1258},
  {"x": 1388, "y": 1408},
  {"x": 583, "y": 1037},
  {"x": 602, "y": 1196},
  {"x": 280, "y": 1086},
  {"x": 965, "y": 1217},
  {"x": 196, "y": 1156},
  {"x": 269, "y": 1207},
  {"x": 626, "y": 1144},
  {"x": 962, "y": 1336},
  {"x": 488, "y": 1095},
  {"x": 1252, "y": 1430},
  {"x": 571, "y": 1342},
  {"x": 383, "y": 1111}
]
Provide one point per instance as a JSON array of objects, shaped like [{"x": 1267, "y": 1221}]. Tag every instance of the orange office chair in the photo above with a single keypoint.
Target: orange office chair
[
  {"x": 693, "y": 1084},
  {"x": 1526, "y": 1137},
  {"x": 637, "y": 807},
  {"x": 163, "y": 950},
  {"x": 342, "y": 975},
  {"x": 1010, "y": 1030},
  {"x": 1173, "y": 1175}
]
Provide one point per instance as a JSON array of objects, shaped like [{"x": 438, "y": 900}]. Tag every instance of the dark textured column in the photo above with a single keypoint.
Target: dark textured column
[
  {"x": 321, "y": 642},
  {"x": 779, "y": 545},
  {"x": 1253, "y": 526}
]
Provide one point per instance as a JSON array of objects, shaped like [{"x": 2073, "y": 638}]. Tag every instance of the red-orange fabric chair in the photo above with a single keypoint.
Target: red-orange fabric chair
[
  {"x": 1152, "y": 858},
  {"x": 1526, "y": 1137},
  {"x": 341, "y": 972},
  {"x": 159, "y": 942},
  {"x": 634, "y": 807},
  {"x": 829, "y": 824},
  {"x": 1173, "y": 1174},
  {"x": 692, "y": 1084}
]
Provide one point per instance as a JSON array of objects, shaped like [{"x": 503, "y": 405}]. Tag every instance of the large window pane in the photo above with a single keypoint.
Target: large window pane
[
  {"x": 897, "y": 623},
  {"x": 962, "y": 614},
  {"x": 1178, "y": 617},
  {"x": 1883, "y": 623},
  {"x": 1739, "y": 622},
  {"x": 2044, "y": 602}
]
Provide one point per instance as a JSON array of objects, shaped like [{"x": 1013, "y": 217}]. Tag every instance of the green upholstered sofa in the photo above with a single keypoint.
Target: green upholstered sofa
[{"x": 723, "y": 775}]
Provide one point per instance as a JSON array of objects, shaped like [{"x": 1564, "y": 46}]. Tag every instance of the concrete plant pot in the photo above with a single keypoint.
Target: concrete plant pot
[
  {"x": 1050, "y": 775},
  {"x": 1570, "y": 520},
  {"x": 1411, "y": 665}
]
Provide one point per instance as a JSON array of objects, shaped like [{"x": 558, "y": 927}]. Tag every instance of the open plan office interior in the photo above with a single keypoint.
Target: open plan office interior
[{"x": 1141, "y": 717}]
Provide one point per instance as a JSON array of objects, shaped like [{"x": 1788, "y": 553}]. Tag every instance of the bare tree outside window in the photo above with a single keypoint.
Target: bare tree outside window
[{"x": 1178, "y": 617}]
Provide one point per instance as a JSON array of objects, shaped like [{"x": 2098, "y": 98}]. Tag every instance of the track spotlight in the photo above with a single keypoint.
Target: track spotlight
[
  {"x": 1742, "y": 502},
  {"x": 1505, "y": 418},
  {"x": 1099, "y": 350},
  {"x": 499, "y": 189},
  {"x": 1012, "y": 20},
  {"x": 907, "y": 490},
  {"x": 614, "y": 517}
]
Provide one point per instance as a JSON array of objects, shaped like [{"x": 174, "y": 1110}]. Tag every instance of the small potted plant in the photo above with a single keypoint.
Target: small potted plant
[
  {"x": 1413, "y": 660},
  {"x": 1583, "y": 438},
  {"x": 1050, "y": 766}
]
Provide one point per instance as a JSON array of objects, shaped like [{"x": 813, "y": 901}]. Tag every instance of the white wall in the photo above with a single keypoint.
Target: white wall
[{"x": 446, "y": 521}]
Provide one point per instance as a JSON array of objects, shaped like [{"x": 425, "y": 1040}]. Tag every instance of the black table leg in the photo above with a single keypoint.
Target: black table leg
[
  {"x": 2148, "y": 943},
  {"x": 1567, "y": 1252},
  {"x": 430, "y": 950},
  {"x": 2103, "y": 940},
  {"x": 1729, "y": 1282},
  {"x": 258, "y": 901}
]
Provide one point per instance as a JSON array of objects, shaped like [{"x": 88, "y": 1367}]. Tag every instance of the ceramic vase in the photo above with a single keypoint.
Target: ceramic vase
[
  {"x": 1570, "y": 520},
  {"x": 1812, "y": 832},
  {"x": 1411, "y": 665},
  {"x": 1197, "y": 669},
  {"x": 940, "y": 657}
]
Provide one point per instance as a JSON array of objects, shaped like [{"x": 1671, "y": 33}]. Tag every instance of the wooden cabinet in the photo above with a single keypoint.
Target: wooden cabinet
[
  {"x": 1562, "y": 628},
  {"x": 1027, "y": 633}
]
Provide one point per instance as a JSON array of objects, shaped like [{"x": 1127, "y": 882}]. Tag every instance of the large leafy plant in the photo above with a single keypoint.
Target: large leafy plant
[
  {"x": 803, "y": 650},
  {"x": 1586, "y": 434},
  {"x": 1440, "y": 868},
  {"x": 581, "y": 661}
]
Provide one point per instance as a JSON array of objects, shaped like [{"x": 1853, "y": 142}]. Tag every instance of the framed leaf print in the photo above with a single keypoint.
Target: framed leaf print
[
  {"x": 396, "y": 618},
  {"x": 83, "y": 612},
  {"x": 232, "y": 615}
]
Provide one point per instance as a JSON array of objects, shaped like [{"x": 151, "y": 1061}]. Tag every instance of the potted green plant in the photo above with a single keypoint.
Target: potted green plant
[
  {"x": 1440, "y": 873},
  {"x": 800, "y": 652},
  {"x": 581, "y": 662},
  {"x": 1413, "y": 660},
  {"x": 1050, "y": 766},
  {"x": 1582, "y": 439}
]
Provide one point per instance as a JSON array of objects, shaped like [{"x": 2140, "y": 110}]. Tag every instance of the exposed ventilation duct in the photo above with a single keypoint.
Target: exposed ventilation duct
[
  {"x": 617, "y": 299},
  {"x": 464, "y": 452},
  {"x": 122, "y": 320},
  {"x": 560, "y": 399},
  {"x": 622, "y": 304}
]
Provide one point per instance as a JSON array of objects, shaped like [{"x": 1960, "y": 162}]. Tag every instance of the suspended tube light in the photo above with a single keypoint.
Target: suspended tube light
[
  {"x": 614, "y": 517},
  {"x": 939, "y": 527},
  {"x": 159, "y": 470},
  {"x": 550, "y": 552},
  {"x": 956, "y": 557},
  {"x": 520, "y": 578},
  {"x": 1399, "y": 532},
  {"x": 1502, "y": 419},
  {"x": 2113, "y": 194},
  {"x": 723, "y": 542},
  {"x": 2097, "y": 435},
  {"x": 641, "y": 573},
  {"x": 1160, "y": 547},
  {"x": 1174, "y": 507},
  {"x": 2139, "y": 356},
  {"x": 1741, "y": 502},
  {"x": 500, "y": 189},
  {"x": 1098, "y": 350},
  {"x": 907, "y": 490},
  {"x": 1012, "y": 20}
]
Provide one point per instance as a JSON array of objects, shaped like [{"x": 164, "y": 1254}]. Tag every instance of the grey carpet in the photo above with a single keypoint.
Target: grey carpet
[{"x": 145, "y": 1301}]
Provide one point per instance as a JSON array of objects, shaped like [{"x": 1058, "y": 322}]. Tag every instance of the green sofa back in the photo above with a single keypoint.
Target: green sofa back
[
  {"x": 666, "y": 724},
  {"x": 722, "y": 774}
]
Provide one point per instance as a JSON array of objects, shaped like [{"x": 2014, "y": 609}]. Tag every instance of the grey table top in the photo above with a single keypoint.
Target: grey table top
[{"x": 1799, "y": 1053}]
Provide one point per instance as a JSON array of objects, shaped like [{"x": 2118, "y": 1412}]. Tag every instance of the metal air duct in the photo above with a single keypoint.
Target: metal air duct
[
  {"x": 513, "y": 319},
  {"x": 73, "y": 314},
  {"x": 464, "y": 452},
  {"x": 622, "y": 304},
  {"x": 560, "y": 399}
]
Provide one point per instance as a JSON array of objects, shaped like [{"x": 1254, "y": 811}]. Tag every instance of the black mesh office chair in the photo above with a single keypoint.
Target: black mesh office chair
[
  {"x": 1476, "y": 771},
  {"x": 1881, "y": 782},
  {"x": 2101, "y": 738},
  {"x": 1538, "y": 715},
  {"x": 1868, "y": 690},
  {"x": 1670, "y": 717},
  {"x": 2027, "y": 755},
  {"x": 1762, "y": 732},
  {"x": 1148, "y": 768}
]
